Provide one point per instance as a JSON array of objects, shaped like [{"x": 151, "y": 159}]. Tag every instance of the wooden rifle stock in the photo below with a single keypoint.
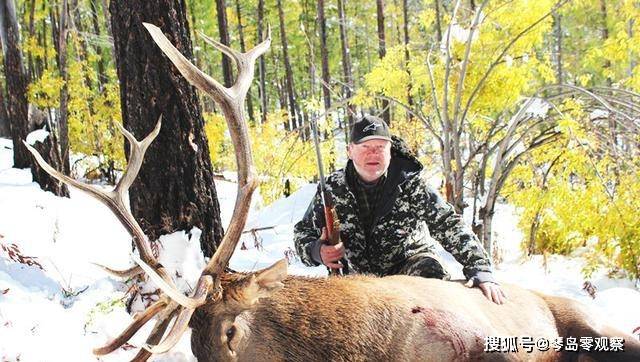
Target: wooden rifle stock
[{"x": 333, "y": 227}]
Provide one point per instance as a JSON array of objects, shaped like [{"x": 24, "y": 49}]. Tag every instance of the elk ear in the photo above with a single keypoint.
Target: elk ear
[{"x": 265, "y": 282}]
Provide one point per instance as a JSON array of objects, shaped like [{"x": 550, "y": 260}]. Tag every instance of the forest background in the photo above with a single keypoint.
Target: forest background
[{"x": 533, "y": 103}]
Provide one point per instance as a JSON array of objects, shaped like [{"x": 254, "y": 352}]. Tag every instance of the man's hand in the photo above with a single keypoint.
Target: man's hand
[
  {"x": 331, "y": 254},
  {"x": 493, "y": 292}
]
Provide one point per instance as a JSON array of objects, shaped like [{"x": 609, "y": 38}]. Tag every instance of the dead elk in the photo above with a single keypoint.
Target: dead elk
[
  {"x": 267, "y": 316},
  {"x": 395, "y": 318}
]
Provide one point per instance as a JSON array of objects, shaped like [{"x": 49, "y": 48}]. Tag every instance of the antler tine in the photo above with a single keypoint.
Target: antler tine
[
  {"x": 245, "y": 63},
  {"x": 194, "y": 75},
  {"x": 179, "y": 327},
  {"x": 246, "y": 69},
  {"x": 203, "y": 287},
  {"x": 231, "y": 53},
  {"x": 158, "y": 330},
  {"x": 194, "y": 302},
  {"x": 113, "y": 199},
  {"x": 100, "y": 195},
  {"x": 261, "y": 48},
  {"x": 131, "y": 272},
  {"x": 136, "y": 155},
  {"x": 231, "y": 103},
  {"x": 137, "y": 323}
]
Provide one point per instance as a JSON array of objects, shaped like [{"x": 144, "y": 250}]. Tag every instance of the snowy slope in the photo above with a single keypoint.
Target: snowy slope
[{"x": 61, "y": 312}]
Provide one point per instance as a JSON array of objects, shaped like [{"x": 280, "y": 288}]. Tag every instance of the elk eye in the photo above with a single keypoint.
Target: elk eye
[{"x": 231, "y": 332}]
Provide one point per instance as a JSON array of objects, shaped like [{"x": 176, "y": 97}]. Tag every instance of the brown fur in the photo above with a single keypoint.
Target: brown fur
[{"x": 396, "y": 318}]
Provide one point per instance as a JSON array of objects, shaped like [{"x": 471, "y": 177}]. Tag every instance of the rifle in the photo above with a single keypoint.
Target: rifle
[{"x": 330, "y": 216}]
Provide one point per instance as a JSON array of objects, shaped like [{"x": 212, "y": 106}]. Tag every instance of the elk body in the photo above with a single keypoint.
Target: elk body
[
  {"x": 395, "y": 318},
  {"x": 266, "y": 315}
]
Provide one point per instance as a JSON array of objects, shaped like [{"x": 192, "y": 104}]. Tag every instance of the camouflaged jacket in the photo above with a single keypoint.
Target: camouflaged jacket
[{"x": 409, "y": 212}]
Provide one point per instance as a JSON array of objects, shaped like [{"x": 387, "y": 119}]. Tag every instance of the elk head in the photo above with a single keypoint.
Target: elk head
[
  {"x": 220, "y": 330},
  {"x": 209, "y": 297}
]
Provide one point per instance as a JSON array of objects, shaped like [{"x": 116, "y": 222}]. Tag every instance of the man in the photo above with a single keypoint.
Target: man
[{"x": 386, "y": 210}]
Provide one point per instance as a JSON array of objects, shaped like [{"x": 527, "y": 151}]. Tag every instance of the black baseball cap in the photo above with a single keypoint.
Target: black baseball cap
[{"x": 369, "y": 128}]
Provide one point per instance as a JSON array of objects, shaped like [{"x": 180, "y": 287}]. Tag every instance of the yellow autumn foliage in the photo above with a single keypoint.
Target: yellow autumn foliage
[
  {"x": 278, "y": 155},
  {"x": 584, "y": 205}
]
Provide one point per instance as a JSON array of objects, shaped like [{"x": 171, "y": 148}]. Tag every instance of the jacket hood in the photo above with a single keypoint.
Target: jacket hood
[{"x": 403, "y": 161}]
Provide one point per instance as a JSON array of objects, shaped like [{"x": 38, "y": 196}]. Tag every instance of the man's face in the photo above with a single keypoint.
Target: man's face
[{"x": 370, "y": 158}]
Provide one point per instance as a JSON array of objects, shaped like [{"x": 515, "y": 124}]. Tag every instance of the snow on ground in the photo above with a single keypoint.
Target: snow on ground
[{"x": 68, "y": 307}]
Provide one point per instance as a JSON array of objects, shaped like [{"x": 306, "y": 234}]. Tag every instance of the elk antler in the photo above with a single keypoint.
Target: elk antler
[
  {"x": 114, "y": 200},
  {"x": 172, "y": 303},
  {"x": 231, "y": 102}
]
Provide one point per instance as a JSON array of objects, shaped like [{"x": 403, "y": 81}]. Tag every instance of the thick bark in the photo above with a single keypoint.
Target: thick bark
[
  {"x": 50, "y": 152},
  {"x": 175, "y": 188},
  {"x": 382, "y": 51},
  {"x": 242, "y": 48},
  {"x": 223, "y": 29},
  {"x": 261, "y": 66},
  {"x": 324, "y": 54},
  {"x": 347, "y": 85},
  {"x": 290, "y": 87},
  {"x": 16, "y": 82}
]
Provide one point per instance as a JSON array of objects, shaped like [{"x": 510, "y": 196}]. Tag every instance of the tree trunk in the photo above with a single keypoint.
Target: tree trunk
[
  {"x": 18, "y": 108},
  {"x": 16, "y": 80},
  {"x": 107, "y": 17},
  {"x": 382, "y": 51},
  {"x": 324, "y": 53},
  {"x": 62, "y": 122},
  {"x": 436, "y": 5},
  {"x": 557, "y": 34},
  {"x": 242, "y": 48},
  {"x": 33, "y": 71},
  {"x": 261, "y": 65},
  {"x": 294, "y": 116},
  {"x": 604, "y": 35},
  {"x": 347, "y": 85},
  {"x": 223, "y": 29},
  {"x": 613, "y": 131},
  {"x": 102, "y": 76},
  {"x": 175, "y": 188},
  {"x": 405, "y": 18},
  {"x": 5, "y": 126},
  {"x": 284, "y": 104},
  {"x": 49, "y": 151},
  {"x": 486, "y": 215},
  {"x": 367, "y": 50}
]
